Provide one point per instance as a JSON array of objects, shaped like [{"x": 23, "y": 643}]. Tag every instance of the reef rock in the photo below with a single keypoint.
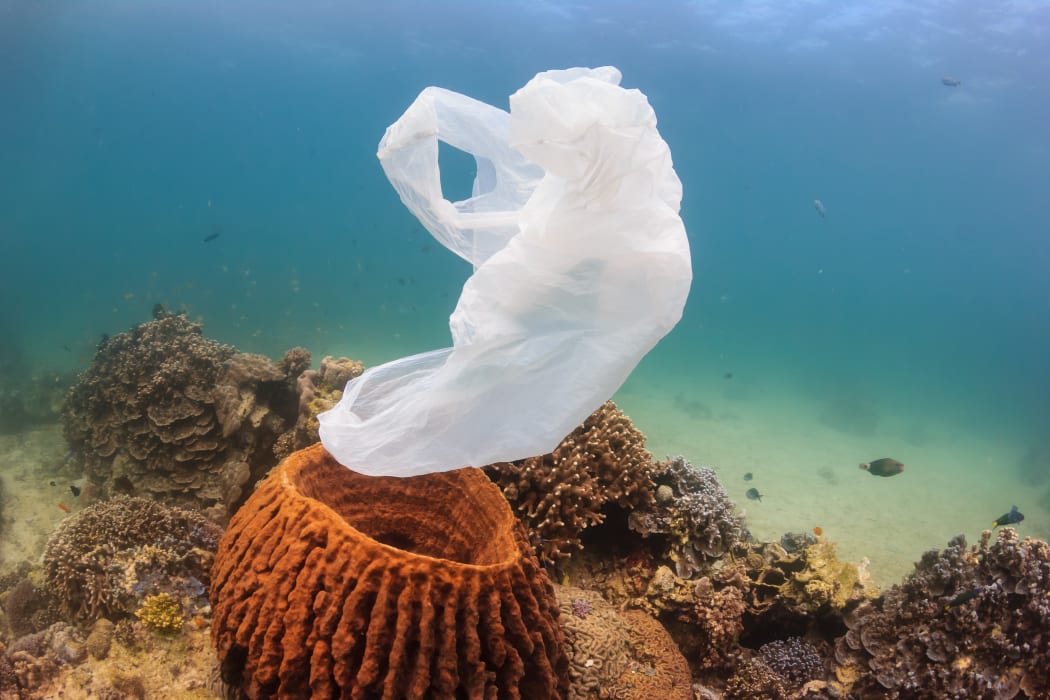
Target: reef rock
[
  {"x": 333, "y": 584},
  {"x": 165, "y": 412},
  {"x": 603, "y": 462},
  {"x": 319, "y": 390},
  {"x": 968, "y": 623}
]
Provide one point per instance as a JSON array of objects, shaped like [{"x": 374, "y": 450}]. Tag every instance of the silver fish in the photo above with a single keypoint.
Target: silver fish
[
  {"x": 819, "y": 206},
  {"x": 950, "y": 81}
]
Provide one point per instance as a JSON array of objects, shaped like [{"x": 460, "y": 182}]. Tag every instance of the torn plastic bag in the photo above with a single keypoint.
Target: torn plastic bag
[{"x": 581, "y": 265}]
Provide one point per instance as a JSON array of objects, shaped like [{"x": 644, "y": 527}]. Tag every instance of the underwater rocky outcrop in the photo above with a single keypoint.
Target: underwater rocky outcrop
[
  {"x": 333, "y": 584},
  {"x": 165, "y": 412},
  {"x": 970, "y": 622},
  {"x": 319, "y": 390},
  {"x": 602, "y": 463}
]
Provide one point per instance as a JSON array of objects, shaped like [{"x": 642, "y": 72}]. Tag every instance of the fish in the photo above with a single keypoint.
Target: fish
[
  {"x": 964, "y": 597},
  {"x": 818, "y": 531},
  {"x": 749, "y": 476},
  {"x": 212, "y": 236},
  {"x": 950, "y": 81},
  {"x": 727, "y": 375},
  {"x": 819, "y": 206},
  {"x": 883, "y": 467},
  {"x": 754, "y": 495},
  {"x": 1012, "y": 518},
  {"x": 74, "y": 489}
]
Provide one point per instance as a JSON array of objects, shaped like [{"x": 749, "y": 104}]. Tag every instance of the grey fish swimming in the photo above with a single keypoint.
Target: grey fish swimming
[
  {"x": 883, "y": 467},
  {"x": 950, "y": 81},
  {"x": 754, "y": 495},
  {"x": 1012, "y": 518},
  {"x": 819, "y": 206}
]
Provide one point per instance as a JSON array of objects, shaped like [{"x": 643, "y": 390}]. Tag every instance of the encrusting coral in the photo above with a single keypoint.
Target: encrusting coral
[
  {"x": 167, "y": 413},
  {"x": 603, "y": 462},
  {"x": 333, "y": 584},
  {"x": 104, "y": 560},
  {"x": 968, "y": 623}
]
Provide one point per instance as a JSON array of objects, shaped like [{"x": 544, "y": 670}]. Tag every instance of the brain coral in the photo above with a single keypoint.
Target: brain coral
[
  {"x": 557, "y": 495},
  {"x": 619, "y": 654},
  {"x": 165, "y": 412},
  {"x": 104, "y": 560},
  {"x": 332, "y": 584},
  {"x": 968, "y": 623},
  {"x": 694, "y": 513}
]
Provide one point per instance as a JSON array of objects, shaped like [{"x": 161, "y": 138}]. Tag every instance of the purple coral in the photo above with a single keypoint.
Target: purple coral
[
  {"x": 968, "y": 623},
  {"x": 795, "y": 660},
  {"x": 699, "y": 517},
  {"x": 581, "y": 608}
]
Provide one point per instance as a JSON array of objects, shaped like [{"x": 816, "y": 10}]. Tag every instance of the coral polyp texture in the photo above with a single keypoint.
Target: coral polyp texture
[
  {"x": 165, "y": 412},
  {"x": 319, "y": 390},
  {"x": 603, "y": 462},
  {"x": 968, "y": 623},
  {"x": 693, "y": 512},
  {"x": 332, "y": 584},
  {"x": 104, "y": 561}
]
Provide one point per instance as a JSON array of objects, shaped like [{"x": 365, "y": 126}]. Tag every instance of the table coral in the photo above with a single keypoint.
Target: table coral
[
  {"x": 332, "y": 584},
  {"x": 558, "y": 495},
  {"x": 968, "y": 623},
  {"x": 105, "y": 559},
  {"x": 695, "y": 516},
  {"x": 167, "y": 413}
]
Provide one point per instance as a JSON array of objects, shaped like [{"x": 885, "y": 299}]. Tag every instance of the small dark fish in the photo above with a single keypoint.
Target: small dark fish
[
  {"x": 212, "y": 236},
  {"x": 1012, "y": 518},
  {"x": 964, "y": 597},
  {"x": 749, "y": 476},
  {"x": 74, "y": 489},
  {"x": 727, "y": 375},
  {"x": 53, "y": 483},
  {"x": 66, "y": 348},
  {"x": 883, "y": 467},
  {"x": 950, "y": 81},
  {"x": 754, "y": 495}
]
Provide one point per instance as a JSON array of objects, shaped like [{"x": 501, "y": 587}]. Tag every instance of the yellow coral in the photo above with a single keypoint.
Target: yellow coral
[{"x": 161, "y": 613}]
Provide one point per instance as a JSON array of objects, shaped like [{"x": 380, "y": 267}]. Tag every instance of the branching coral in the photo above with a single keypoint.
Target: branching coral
[
  {"x": 694, "y": 513},
  {"x": 968, "y": 623},
  {"x": 603, "y": 462},
  {"x": 165, "y": 412},
  {"x": 105, "y": 559}
]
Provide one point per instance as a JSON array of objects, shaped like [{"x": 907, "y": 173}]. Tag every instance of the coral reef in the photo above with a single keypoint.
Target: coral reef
[
  {"x": 319, "y": 390},
  {"x": 105, "y": 560},
  {"x": 795, "y": 660},
  {"x": 619, "y": 654},
  {"x": 165, "y": 412},
  {"x": 161, "y": 613},
  {"x": 331, "y": 584},
  {"x": 693, "y": 512},
  {"x": 603, "y": 462},
  {"x": 968, "y": 623}
]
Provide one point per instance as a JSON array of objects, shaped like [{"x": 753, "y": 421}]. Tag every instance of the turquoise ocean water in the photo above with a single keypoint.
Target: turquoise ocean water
[{"x": 916, "y": 310}]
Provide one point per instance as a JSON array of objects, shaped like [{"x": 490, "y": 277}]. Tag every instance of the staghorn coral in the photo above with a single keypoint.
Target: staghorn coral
[
  {"x": 968, "y": 623},
  {"x": 161, "y": 613},
  {"x": 104, "y": 560},
  {"x": 603, "y": 462},
  {"x": 165, "y": 412},
  {"x": 333, "y": 584},
  {"x": 619, "y": 654},
  {"x": 693, "y": 513},
  {"x": 319, "y": 390}
]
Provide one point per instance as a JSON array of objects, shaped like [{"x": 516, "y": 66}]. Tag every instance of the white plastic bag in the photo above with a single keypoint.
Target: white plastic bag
[{"x": 581, "y": 266}]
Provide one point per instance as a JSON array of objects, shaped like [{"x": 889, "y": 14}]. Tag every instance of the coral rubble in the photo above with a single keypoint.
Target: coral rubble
[
  {"x": 104, "y": 561},
  {"x": 968, "y": 623},
  {"x": 330, "y": 583},
  {"x": 165, "y": 412},
  {"x": 603, "y": 462}
]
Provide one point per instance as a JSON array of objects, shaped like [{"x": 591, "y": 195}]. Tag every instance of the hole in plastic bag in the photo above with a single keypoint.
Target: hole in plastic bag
[{"x": 458, "y": 169}]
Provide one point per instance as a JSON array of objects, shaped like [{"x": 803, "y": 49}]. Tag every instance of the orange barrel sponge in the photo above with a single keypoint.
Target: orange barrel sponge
[{"x": 332, "y": 584}]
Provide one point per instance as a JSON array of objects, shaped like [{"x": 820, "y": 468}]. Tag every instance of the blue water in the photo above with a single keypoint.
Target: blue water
[{"x": 131, "y": 131}]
